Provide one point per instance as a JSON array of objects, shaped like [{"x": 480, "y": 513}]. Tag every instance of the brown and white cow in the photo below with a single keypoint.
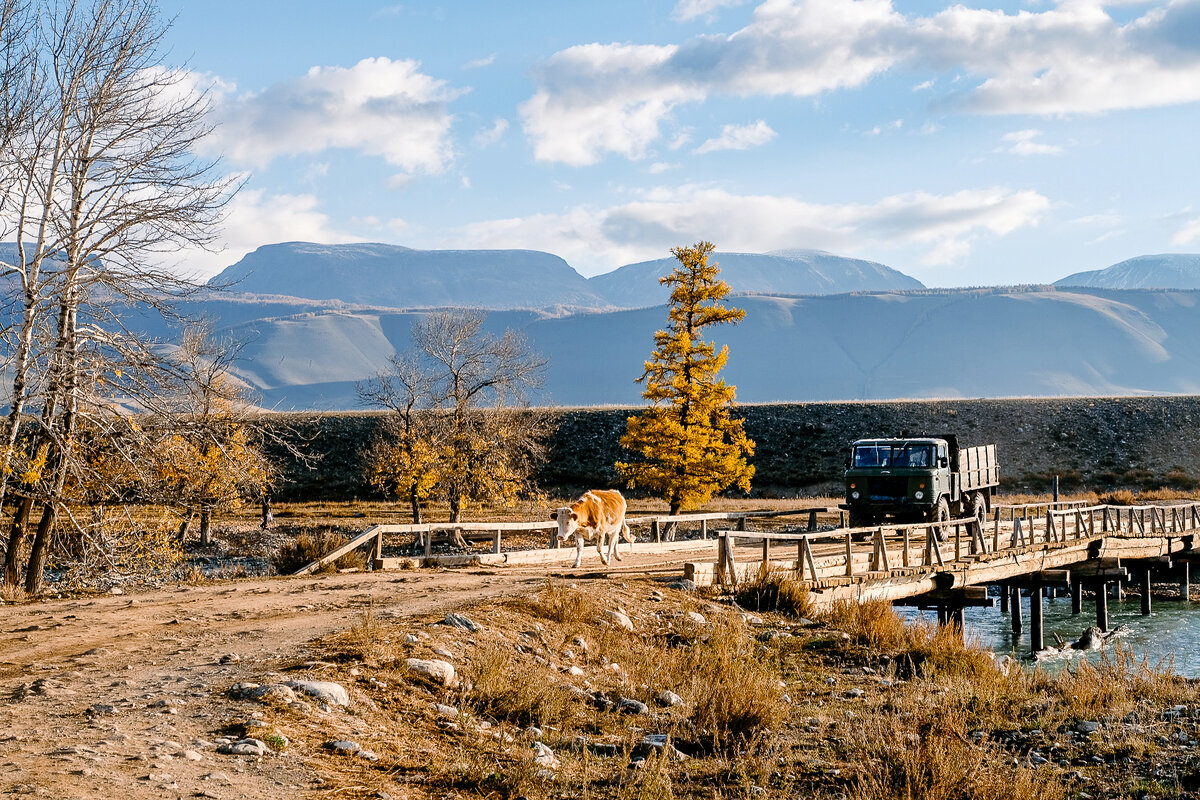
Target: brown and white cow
[{"x": 599, "y": 513}]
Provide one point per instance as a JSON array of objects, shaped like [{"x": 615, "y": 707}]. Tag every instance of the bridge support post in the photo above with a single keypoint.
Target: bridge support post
[
  {"x": 1145, "y": 581},
  {"x": 1003, "y": 598},
  {"x": 1076, "y": 598},
  {"x": 1015, "y": 605},
  {"x": 1037, "y": 637},
  {"x": 1102, "y": 607},
  {"x": 1185, "y": 581}
]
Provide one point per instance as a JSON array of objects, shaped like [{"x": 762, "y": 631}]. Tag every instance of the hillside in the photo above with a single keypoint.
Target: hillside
[
  {"x": 1166, "y": 271},
  {"x": 781, "y": 272},
  {"x": 927, "y": 344},
  {"x": 400, "y": 277}
]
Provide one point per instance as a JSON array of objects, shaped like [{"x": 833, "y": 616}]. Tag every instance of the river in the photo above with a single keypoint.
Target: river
[{"x": 1169, "y": 637}]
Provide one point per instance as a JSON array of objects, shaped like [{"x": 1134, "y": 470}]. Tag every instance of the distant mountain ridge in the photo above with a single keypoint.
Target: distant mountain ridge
[
  {"x": 401, "y": 277},
  {"x": 783, "y": 272},
  {"x": 1163, "y": 271}
]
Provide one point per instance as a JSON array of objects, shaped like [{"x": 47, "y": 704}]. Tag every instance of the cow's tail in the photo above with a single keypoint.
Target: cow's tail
[{"x": 625, "y": 532}]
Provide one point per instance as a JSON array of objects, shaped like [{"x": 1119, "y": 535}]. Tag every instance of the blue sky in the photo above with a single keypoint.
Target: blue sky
[{"x": 965, "y": 144}]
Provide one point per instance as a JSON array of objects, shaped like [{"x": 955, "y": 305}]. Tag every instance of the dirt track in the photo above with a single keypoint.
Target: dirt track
[{"x": 123, "y": 695}]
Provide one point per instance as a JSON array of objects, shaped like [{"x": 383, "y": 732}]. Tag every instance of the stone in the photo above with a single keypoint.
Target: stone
[
  {"x": 660, "y": 743},
  {"x": 628, "y": 705},
  {"x": 274, "y": 693},
  {"x": 696, "y": 617},
  {"x": 443, "y": 710},
  {"x": 244, "y": 747},
  {"x": 461, "y": 622},
  {"x": 229, "y": 658},
  {"x": 446, "y": 654},
  {"x": 1086, "y": 726},
  {"x": 544, "y": 757},
  {"x": 753, "y": 620},
  {"x": 683, "y": 585},
  {"x": 620, "y": 620},
  {"x": 411, "y": 638},
  {"x": 575, "y": 671},
  {"x": 855, "y": 692},
  {"x": 328, "y": 692},
  {"x": 668, "y": 698},
  {"x": 343, "y": 747},
  {"x": 192, "y": 755},
  {"x": 441, "y": 672},
  {"x": 100, "y": 709}
]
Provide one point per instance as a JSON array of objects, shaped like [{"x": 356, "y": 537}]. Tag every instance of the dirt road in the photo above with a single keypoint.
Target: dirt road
[{"x": 125, "y": 695}]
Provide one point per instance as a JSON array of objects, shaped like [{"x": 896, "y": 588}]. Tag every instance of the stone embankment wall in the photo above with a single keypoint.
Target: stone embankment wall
[{"x": 1090, "y": 443}]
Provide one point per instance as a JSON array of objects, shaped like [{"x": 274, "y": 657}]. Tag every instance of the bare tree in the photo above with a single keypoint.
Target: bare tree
[
  {"x": 478, "y": 441},
  {"x": 110, "y": 184}
]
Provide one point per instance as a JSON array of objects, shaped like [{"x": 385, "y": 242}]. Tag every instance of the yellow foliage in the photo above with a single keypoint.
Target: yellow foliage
[{"x": 690, "y": 445}]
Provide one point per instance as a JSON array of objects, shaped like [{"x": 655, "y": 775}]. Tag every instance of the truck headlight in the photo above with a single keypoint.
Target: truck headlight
[
  {"x": 918, "y": 495},
  {"x": 854, "y": 495}
]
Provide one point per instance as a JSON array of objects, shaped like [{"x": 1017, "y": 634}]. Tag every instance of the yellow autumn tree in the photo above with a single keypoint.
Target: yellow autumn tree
[{"x": 688, "y": 446}]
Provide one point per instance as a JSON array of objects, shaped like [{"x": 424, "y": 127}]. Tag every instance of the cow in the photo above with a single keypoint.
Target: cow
[{"x": 599, "y": 513}]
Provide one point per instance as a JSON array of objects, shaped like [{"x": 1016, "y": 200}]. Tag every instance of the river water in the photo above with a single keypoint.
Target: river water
[{"x": 1169, "y": 637}]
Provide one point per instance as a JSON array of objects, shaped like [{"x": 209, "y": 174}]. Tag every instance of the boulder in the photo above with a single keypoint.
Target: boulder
[
  {"x": 327, "y": 692},
  {"x": 435, "y": 670},
  {"x": 620, "y": 620}
]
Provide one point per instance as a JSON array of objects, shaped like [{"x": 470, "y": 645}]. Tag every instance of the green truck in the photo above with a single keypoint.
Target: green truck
[{"x": 918, "y": 479}]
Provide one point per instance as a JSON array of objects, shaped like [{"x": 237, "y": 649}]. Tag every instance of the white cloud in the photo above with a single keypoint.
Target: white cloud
[
  {"x": 486, "y": 137},
  {"x": 659, "y": 167},
  {"x": 945, "y": 227},
  {"x": 399, "y": 180},
  {"x": 894, "y": 125},
  {"x": 478, "y": 63},
  {"x": 380, "y": 107},
  {"x": 690, "y": 9},
  {"x": 254, "y": 218},
  {"x": 739, "y": 137},
  {"x": 1188, "y": 234},
  {"x": 599, "y": 99},
  {"x": 1021, "y": 143}
]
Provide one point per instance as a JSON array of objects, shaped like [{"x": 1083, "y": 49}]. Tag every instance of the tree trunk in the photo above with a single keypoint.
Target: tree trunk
[
  {"x": 415, "y": 500},
  {"x": 16, "y": 538},
  {"x": 205, "y": 523},
  {"x": 456, "y": 509},
  {"x": 40, "y": 549},
  {"x": 184, "y": 524}
]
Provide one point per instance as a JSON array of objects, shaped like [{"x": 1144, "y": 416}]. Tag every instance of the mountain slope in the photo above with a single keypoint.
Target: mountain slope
[
  {"x": 928, "y": 344},
  {"x": 781, "y": 272},
  {"x": 400, "y": 277},
  {"x": 1165, "y": 271}
]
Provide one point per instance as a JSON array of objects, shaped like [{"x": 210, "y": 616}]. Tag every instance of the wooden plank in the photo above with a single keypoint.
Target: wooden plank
[{"x": 353, "y": 544}]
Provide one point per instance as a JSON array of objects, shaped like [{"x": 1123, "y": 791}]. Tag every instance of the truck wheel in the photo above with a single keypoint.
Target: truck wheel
[
  {"x": 860, "y": 519},
  {"x": 940, "y": 512},
  {"x": 979, "y": 508}
]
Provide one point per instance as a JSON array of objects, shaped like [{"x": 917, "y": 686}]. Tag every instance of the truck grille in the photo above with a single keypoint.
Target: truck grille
[{"x": 887, "y": 489}]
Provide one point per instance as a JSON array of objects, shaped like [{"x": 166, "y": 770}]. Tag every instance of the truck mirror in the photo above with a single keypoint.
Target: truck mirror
[{"x": 942, "y": 462}]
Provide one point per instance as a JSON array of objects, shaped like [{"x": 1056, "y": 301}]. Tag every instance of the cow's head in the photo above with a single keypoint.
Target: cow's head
[{"x": 568, "y": 522}]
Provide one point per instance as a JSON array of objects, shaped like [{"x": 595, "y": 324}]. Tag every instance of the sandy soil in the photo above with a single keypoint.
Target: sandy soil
[{"x": 124, "y": 695}]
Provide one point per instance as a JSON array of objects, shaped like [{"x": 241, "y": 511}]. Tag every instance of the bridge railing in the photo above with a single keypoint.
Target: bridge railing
[
  {"x": 855, "y": 553},
  {"x": 421, "y": 537}
]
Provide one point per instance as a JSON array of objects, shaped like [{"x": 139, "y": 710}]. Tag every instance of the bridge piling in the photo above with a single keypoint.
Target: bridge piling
[
  {"x": 1102, "y": 606},
  {"x": 1076, "y": 598},
  {"x": 1185, "y": 581},
  {"x": 1003, "y": 598},
  {"x": 1015, "y": 605},
  {"x": 1145, "y": 587},
  {"x": 1037, "y": 638}
]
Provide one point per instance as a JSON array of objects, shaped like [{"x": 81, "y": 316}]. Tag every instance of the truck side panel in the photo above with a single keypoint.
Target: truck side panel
[{"x": 978, "y": 467}]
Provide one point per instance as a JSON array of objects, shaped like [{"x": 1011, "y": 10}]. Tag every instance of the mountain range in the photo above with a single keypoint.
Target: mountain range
[{"x": 315, "y": 320}]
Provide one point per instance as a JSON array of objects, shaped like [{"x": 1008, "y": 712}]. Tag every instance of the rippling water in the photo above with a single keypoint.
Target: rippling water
[{"x": 1168, "y": 637}]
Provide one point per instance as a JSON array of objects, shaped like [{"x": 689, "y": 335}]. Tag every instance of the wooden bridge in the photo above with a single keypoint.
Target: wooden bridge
[{"x": 949, "y": 566}]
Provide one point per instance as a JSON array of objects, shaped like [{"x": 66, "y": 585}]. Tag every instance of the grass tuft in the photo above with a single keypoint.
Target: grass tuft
[
  {"x": 308, "y": 547},
  {"x": 774, "y": 591}
]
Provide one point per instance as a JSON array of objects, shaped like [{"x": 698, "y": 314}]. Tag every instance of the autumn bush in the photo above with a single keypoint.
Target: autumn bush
[
  {"x": 307, "y": 547},
  {"x": 775, "y": 591}
]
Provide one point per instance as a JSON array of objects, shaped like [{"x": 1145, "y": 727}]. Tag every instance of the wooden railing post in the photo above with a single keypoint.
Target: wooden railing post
[
  {"x": 849, "y": 558},
  {"x": 496, "y": 543},
  {"x": 904, "y": 558},
  {"x": 655, "y": 530},
  {"x": 377, "y": 552}
]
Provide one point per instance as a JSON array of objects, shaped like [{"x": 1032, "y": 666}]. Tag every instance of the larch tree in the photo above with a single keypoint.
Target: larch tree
[{"x": 688, "y": 445}]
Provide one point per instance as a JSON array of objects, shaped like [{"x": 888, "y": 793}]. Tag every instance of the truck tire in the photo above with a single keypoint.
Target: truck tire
[
  {"x": 860, "y": 519},
  {"x": 940, "y": 512},
  {"x": 979, "y": 508}
]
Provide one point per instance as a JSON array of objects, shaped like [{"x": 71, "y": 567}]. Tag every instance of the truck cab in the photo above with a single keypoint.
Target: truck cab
[{"x": 917, "y": 479}]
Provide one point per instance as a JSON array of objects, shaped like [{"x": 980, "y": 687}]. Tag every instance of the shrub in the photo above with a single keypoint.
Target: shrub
[
  {"x": 872, "y": 623},
  {"x": 499, "y": 687},
  {"x": 736, "y": 695},
  {"x": 558, "y": 603},
  {"x": 308, "y": 547},
  {"x": 774, "y": 591}
]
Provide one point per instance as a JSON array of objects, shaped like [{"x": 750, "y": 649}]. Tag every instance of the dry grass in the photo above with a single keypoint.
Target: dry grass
[
  {"x": 12, "y": 594},
  {"x": 367, "y": 641},
  {"x": 502, "y": 688},
  {"x": 874, "y": 624},
  {"x": 558, "y": 603},
  {"x": 308, "y": 547},
  {"x": 775, "y": 592}
]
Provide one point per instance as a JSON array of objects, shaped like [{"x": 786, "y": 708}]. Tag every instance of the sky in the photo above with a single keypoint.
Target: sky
[{"x": 976, "y": 143}]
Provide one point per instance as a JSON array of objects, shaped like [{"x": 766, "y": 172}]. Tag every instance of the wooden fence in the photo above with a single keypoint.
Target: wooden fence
[
  {"x": 423, "y": 535},
  {"x": 850, "y": 554}
]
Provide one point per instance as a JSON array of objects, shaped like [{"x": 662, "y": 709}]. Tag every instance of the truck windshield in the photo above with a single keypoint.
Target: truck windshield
[{"x": 901, "y": 455}]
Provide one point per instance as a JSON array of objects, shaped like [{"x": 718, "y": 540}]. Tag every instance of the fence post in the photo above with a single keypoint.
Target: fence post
[
  {"x": 849, "y": 558},
  {"x": 704, "y": 529},
  {"x": 377, "y": 553},
  {"x": 496, "y": 547},
  {"x": 655, "y": 530}
]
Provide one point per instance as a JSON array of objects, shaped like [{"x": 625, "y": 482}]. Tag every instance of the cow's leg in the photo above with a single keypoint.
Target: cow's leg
[
  {"x": 614, "y": 547},
  {"x": 600, "y": 546},
  {"x": 578, "y": 550}
]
